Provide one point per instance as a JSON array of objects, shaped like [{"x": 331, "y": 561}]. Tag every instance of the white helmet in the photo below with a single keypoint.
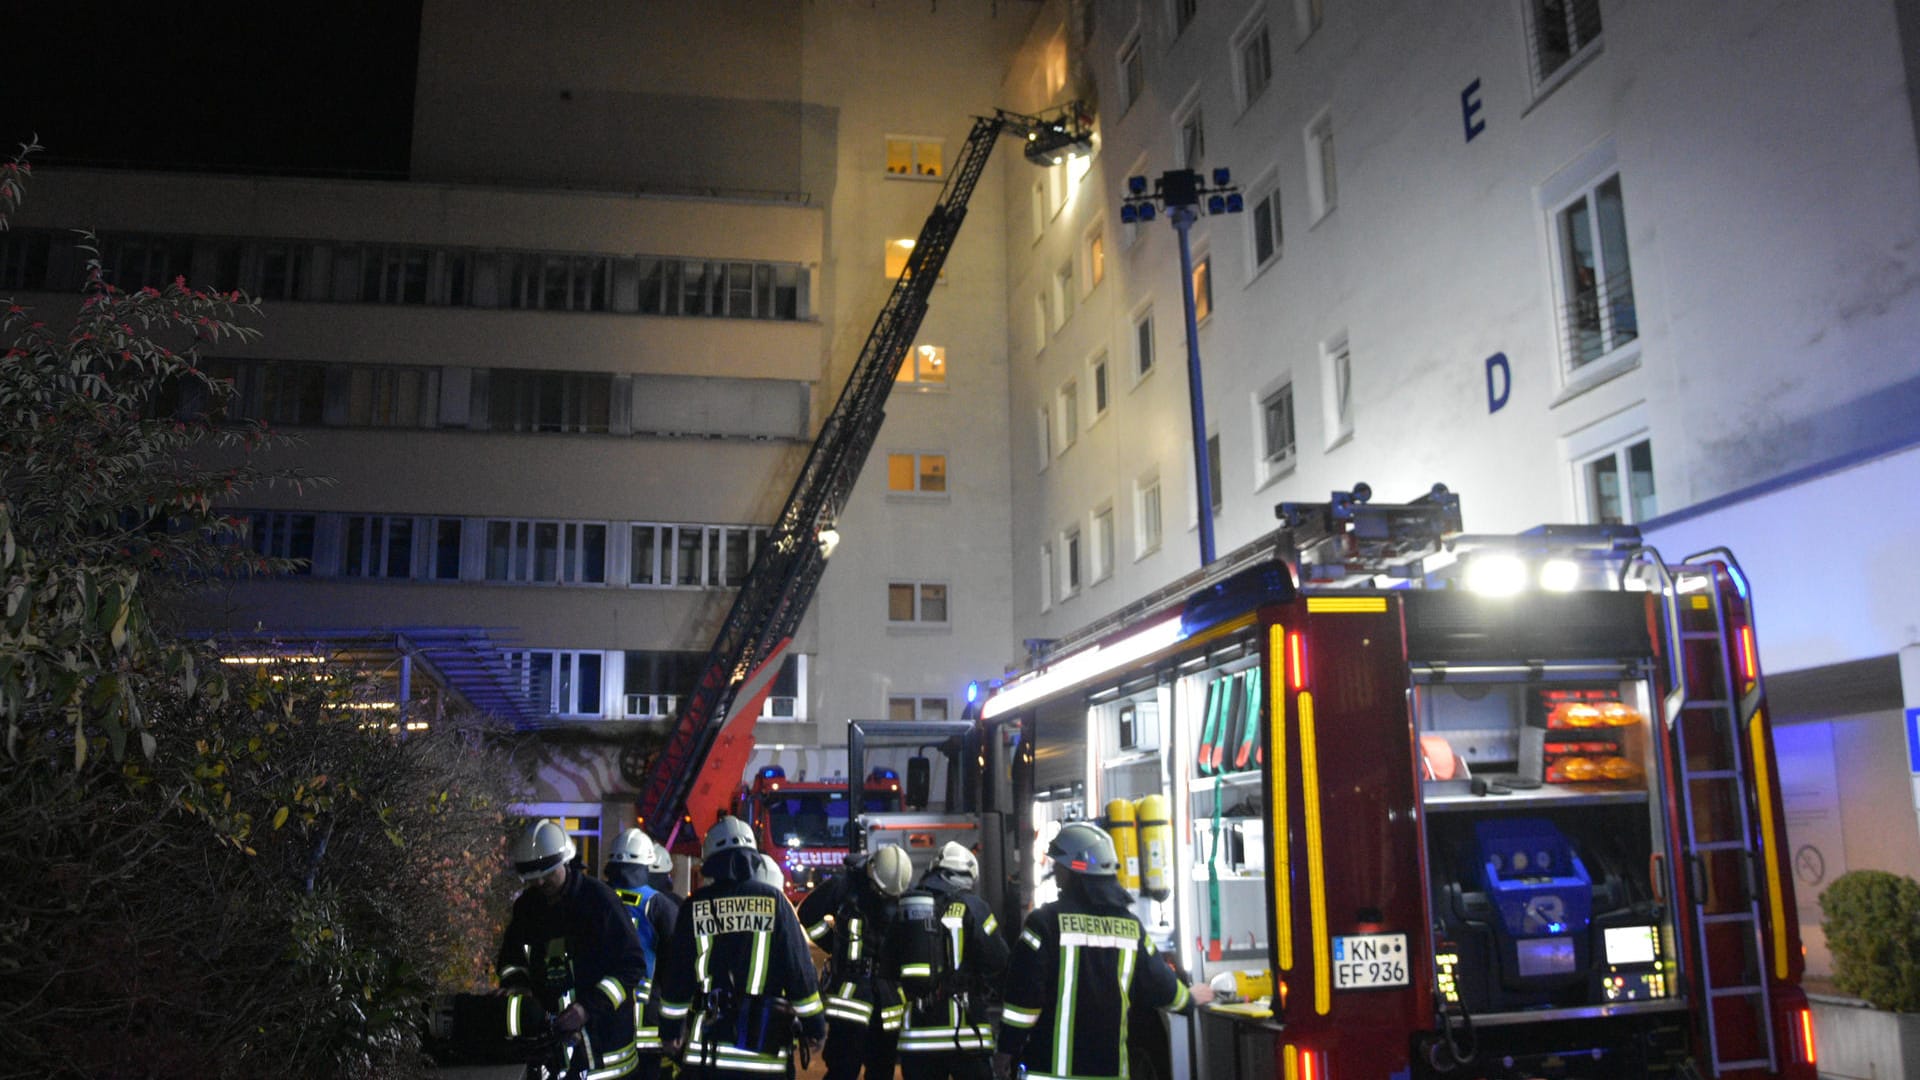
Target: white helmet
[
  {"x": 662, "y": 860},
  {"x": 767, "y": 872},
  {"x": 957, "y": 862},
  {"x": 890, "y": 870},
  {"x": 634, "y": 848},
  {"x": 727, "y": 834},
  {"x": 541, "y": 847}
]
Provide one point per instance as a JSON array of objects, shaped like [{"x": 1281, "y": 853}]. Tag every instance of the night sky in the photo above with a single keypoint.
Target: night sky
[{"x": 271, "y": 86}]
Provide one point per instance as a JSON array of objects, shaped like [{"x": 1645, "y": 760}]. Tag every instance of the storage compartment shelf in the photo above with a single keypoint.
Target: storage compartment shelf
[{"x": 1443, "y": 796}]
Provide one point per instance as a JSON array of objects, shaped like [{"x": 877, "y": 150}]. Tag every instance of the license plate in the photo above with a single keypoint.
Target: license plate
[{"x": 1364, "y": 961}]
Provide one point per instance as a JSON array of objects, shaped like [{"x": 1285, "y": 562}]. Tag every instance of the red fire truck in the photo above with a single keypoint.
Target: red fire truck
[
  {"x": 1442, "y": 805},
  {"x": 803, "y": 823}
]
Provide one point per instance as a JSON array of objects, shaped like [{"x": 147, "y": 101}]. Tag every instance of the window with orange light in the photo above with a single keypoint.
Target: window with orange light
[{"x": 925, "y": 365}]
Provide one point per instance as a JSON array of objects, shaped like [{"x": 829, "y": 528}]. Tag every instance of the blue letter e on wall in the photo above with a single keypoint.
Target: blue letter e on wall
[{"x": 1499, "y": 382}]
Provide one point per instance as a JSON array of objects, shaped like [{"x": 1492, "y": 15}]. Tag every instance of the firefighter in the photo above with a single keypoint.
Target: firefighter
[
  {"x": 630, "y": 872},
  {"x": 570, "y": 950},
  {"x": 736, "y": 974},
  {"x": 945, "y": 956},
  {"x": 1066, "y": 1003},
  {"x": 848, "y": 916}
]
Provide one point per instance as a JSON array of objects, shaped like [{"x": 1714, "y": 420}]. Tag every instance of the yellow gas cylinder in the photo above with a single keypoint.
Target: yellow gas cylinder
[
  {"x": 1156, "y": 846},
  {"x": 1126, "y": 842}
]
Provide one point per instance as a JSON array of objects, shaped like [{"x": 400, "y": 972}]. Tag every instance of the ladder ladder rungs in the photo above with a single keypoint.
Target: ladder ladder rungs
[
  {"x": 1728, "y": 917},
  {"x": 1722, "y": 845},
  {"x": 1747, "y": 1063},
  {"x": 1699, "y": 635},
  {"x": 1742, "y": 990}
]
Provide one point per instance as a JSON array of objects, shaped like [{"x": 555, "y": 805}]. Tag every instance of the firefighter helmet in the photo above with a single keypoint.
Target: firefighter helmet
[
  {"x": 957, "y": 861},
  {"x": 1084, "y": 848},
  {"x": 890, "y": 870},
  {"x": 634, "y": 848},
  {"x": 541, "y": 847},
  {"x": 727, "y": 834},
  {"x": 767, "y": 872},
  {"x": 662, "y": 861}
]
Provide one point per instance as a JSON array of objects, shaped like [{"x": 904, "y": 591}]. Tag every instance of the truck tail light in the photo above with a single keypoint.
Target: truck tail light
[
  {"x": 1749, "y": 657},
  {"x": 1297, "y": 660},
  {"x": 1308, "y": 1064},
  {"x": 1800, "y": 1020}
]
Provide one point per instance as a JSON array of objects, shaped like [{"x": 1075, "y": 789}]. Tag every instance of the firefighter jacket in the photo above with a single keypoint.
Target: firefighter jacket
[
  {"x": 1077, "y": 968},
  {"x": 860, "y": 915},
  {"x": 736, "y": 952},
  {"x": 946, "y": 958},
  {"x": 653, "y": 913},
  {"x": 579, "y": 947}
]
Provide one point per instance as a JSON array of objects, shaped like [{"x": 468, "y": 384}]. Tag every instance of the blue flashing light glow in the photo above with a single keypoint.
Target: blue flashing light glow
[
  {"x": 1137, "y": 185},
  {"x": 973, "y": 691},
  {"x": 773, "y": 772},
  {"x": 1221, "y": 177},
  {"x": 1216, "y": 204},
  {"x": 1235, "y": 203},
  {"x": 1146, "y": 211},
  {"x": 1128, "y": 215},
  {"x": 883, "y": 773},
  {"x": 1739, "y": 580}
]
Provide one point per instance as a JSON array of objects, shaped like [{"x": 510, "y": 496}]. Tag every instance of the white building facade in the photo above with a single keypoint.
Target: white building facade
[{"x": 1578, "y": 261}]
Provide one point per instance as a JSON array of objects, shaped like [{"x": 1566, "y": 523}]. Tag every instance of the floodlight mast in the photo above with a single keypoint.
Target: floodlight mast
[
  {"x": 695, "y": 773},
  {"x": 1181, "y": 192}
]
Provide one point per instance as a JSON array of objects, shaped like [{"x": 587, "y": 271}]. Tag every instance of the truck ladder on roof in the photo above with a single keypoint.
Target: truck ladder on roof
[{"x": 775, "y": 595}]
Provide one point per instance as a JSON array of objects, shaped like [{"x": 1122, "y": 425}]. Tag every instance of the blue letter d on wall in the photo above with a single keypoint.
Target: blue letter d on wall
[{"x": 1499, "y": 382}]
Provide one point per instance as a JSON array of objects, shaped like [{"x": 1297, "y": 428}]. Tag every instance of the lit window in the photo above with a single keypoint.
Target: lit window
[
  {"x": 898, "y": 251},
  {"x": 914, "y": 157},
  {"x": 916, "y": 602},
  {"x": 1558, "y": 31},
  {"x": 916, "y": 707},
  {"x": 1323, "y": 189},
  {"x": 924, "y": 366},
  {"x": 1619, "y": 485},
  {"x": 1202, "y": 288},
  {"x": 1255, "y": 55},
  {"x": 1597, "y": 313},
  {"x": 1276, "y": 413},
  {"x": 1096, "y": 257},
  {"x": 925, "y": 474}
]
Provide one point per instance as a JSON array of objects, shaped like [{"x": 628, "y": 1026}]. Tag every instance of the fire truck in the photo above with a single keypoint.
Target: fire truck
[
  {"x": 803, "y": 824},
  {"x": 1431, "y": 804}
]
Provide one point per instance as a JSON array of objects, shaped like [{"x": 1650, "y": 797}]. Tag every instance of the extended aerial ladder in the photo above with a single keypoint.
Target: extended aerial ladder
[{"x": 696, "y": 772}]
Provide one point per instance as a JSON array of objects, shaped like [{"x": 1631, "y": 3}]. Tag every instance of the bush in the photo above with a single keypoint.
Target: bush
[{"x": 1872, "y": 923}]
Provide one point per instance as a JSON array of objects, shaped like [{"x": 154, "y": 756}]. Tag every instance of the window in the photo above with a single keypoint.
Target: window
[
  {"x": 23, "y": 258},
  {"x": 1219, "y": 498},
  {"x": 1190, "y": 139},
  {"x": 549, "y": 552},
  {"x": 1146, "y": 515},
  {"x": 555, "y": 282},
  {"x": 1069, "y": 414},
  {"x": 916, "y": 707},
  {"x": 1045, "y": 426},
  {"x": 1202, "y": 288},
  {"x": 1558, "y": 31},
  {"x": 1097, "y": 378},
  {"x": 1096, "y": 253},
  {"x": 1183, "y": 13},
  {"x": 924, "y": 474},
  {"x": 1042, "y": 320},
  {"x": 1103, "y": 543},
  {"x": 1046, "y": 576},
  {"x": 1039, "y": 207},
  {"x": 564, "y": 682},
  {"x": 913, "y": 157},
  {"x": 1265, "y": 221},
  {"x": 1308, "y": 15},
  {"x": 282, "y": 535},
  {"x": 447, "y": 536},
  {"x": 391, "y": 274},
  {"x": 393, "y": 397},
  {"x": 1337, "y": 368},
  {"x": 1322, "y": 188},
  {"x": 1618, "y": 485},
  {"x": 696, "y": 556},
  {"x": 1143, "y": 344},
  {"x": 924, "y": 366},
  {"x": 1133, "y": 73},
  {"x": 548, "y": 401},
  {"x": 916, "y": 602},
  {"x": 376, "y": 546},
  {"x": 1597, "y": 313},
  {"x": 1253, "y": 51},
  {"x": 1069, "y": 562},
  {"x": 1056, "y": 187},
  {"x": 131, "y": 262},
  {"x": 653, "y": 682},
  {"x": 1063, "y": 294},
  {"x": 1276, "y": 416},
  {"x": 736, "y": 290},
  {"x": 897, "y": 252}
]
